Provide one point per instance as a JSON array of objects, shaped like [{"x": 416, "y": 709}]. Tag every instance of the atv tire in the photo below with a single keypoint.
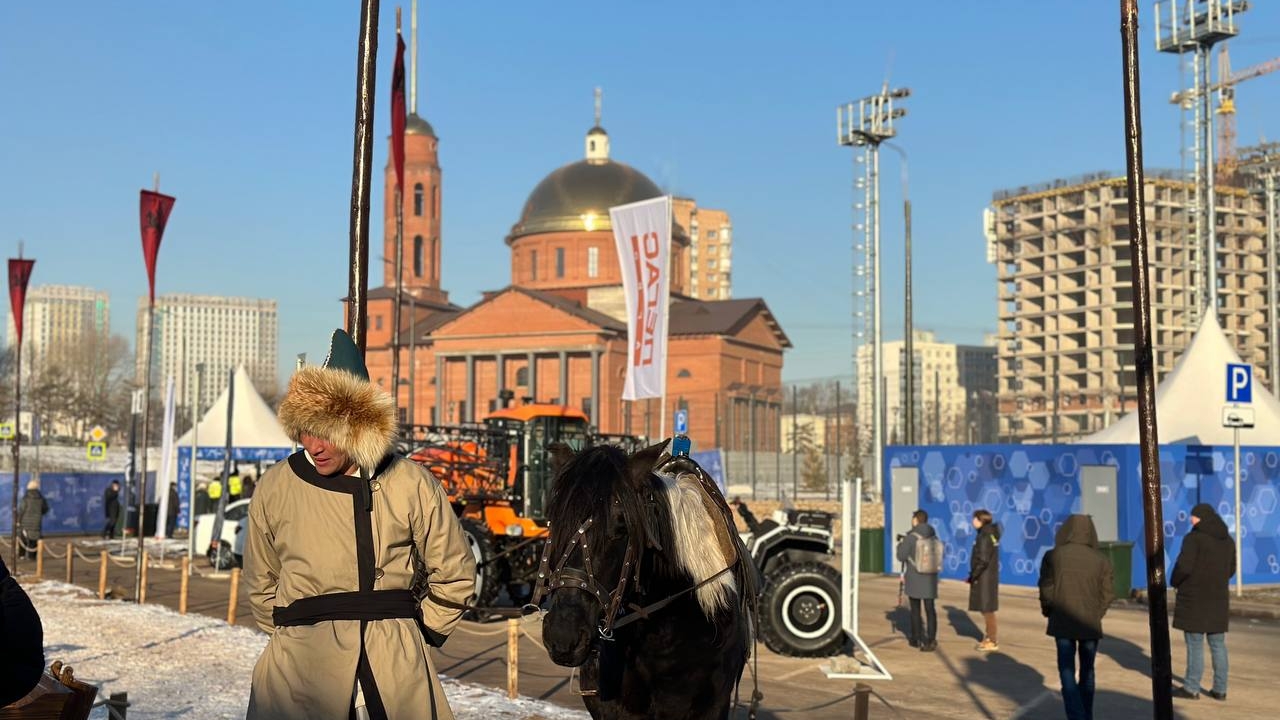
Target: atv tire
[
  {"x": 489, "y": 575},
  {"x": 800, "y": 610}
]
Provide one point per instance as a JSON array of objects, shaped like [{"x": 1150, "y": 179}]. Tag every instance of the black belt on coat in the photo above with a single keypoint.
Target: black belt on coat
[{"x": 368, "y": 605}]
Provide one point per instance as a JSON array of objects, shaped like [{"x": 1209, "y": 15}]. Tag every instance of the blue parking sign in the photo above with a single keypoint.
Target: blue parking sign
[
  {"x": 682, "y": 422},
  {"x": 1239, "y": 383}
]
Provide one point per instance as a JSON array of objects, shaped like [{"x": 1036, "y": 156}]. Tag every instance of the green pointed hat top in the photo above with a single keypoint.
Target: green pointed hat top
[{"x": 344, "y": 355}]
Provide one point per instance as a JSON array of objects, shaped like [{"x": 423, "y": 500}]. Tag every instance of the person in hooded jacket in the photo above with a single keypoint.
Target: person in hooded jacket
[
  {"x": 111, "y": 509},
  {"x": 921, "y": 588},
  {"x": 1076, "y": 588},
  {"x": 984, "y": 576},
  {"x": 1202, "y": 575},
  {"x": 31, "y": 511}
]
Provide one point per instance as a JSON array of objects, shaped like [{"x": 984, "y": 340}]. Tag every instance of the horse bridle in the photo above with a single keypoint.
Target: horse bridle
[{"x": 562, "y": 576}]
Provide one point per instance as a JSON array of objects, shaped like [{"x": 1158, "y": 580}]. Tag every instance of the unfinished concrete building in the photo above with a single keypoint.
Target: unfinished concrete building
[{"x": 1066, "y": 314}]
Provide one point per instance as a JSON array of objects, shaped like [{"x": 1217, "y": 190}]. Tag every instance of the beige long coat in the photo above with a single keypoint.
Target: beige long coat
[{"x": 303, "y": 542}]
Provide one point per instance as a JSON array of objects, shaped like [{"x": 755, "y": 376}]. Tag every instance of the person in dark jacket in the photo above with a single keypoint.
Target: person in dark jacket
[
  {"x": 171, "y": 510},
  {"x": 31, "y": 511},
  {"x": 1076, "y": 588},
  {"x": 22, "y": 638},
  {"x": 1202, "y": 575},
  {"x": 921, "y": 588},
  {"x": 111, "y": 508},
  {"x": 984, "y": 577}
]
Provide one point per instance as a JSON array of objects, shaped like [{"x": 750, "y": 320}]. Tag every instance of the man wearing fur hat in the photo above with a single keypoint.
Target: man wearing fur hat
[{"x": 337, "y": 535}]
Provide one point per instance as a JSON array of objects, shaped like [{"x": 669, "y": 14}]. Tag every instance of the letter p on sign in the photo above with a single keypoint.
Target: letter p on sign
[{"x": 1239, "y": 383}]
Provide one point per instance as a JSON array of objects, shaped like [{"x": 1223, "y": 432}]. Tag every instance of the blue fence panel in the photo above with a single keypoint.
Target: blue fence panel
[{"x": 75, "y": 501}]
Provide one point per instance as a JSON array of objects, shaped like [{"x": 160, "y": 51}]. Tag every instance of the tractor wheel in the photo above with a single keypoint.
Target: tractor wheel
[
  {"x": 488, "y": 572},
  {"x": 800, "y": 610}
]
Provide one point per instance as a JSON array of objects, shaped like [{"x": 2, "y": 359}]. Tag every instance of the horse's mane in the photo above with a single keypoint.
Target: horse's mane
[{"x": 667, "y": 513}]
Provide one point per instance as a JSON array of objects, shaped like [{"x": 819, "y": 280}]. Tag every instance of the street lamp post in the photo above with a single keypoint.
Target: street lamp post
[{"x": 866, "y": 123}]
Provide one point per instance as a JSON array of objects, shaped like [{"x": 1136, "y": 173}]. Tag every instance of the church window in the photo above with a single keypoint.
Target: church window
[
  {"x": 417, "y": 256},
  {"x": 684, "y": 373},
  {"x": 377, "y": 322},
  {"x": 593, "y": 261},
  {"x": 533, "y": 264},
  {"x": 560, "y": 262},
  {"x": 435, "y": 203},
  {"x": 522, "y": 377},
  {"x": 417, "y": 200}
]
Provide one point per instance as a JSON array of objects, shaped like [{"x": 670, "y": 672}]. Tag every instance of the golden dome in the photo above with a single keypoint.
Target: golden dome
[{"x": 577, "y": 197}]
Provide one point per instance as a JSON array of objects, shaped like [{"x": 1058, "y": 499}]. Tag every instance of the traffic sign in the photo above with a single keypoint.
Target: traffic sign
[
  {"x": 96, "y": 450},
  {"x": 1234, "y": 416},
  {"x": 97, "y": 433},
  {"x": 1239, "y": 383},
  {"x": 6, "y": 431},
  {"x": 682, "y": 422}
]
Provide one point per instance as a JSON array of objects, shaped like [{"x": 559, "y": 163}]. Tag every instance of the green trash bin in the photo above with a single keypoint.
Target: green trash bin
[
  {"x": 1121, "y": 556},
  {"x": 871, "y": 550}
]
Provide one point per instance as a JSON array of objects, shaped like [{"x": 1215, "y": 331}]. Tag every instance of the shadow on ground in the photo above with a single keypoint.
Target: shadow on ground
[{"x": 962, "y": 623}]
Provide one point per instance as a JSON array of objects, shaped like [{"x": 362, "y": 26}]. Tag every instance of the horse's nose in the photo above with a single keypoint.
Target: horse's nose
[{"x": 566, "y": 630}]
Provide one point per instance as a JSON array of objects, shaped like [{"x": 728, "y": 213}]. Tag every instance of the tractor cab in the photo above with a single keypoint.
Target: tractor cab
[{"x": 537, "y": 427}]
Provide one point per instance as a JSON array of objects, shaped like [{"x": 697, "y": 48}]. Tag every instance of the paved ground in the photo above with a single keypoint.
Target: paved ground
[{"x": 956, "y": 682}]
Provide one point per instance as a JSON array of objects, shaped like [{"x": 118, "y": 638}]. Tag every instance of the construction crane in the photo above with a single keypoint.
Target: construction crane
[{"x": 1225, "y": 168}]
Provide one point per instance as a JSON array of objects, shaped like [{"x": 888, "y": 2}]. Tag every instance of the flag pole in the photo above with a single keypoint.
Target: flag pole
[
  {"x": 1149, "y": 449},
  {"x": 398, "y": 129},
  {"x": 361, "y": 174},
  {"x": 20, "y": 275},
  {"x": 146, "y": 444}
]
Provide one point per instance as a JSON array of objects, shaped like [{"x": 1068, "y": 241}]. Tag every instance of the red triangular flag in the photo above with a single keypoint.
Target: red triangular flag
[
  {"x": 19, "y": 276},
  {"x": 154, "y": 214},
  {"x": 397, "y": 113}
]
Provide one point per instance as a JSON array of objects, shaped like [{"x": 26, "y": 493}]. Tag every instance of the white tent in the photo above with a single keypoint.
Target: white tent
[
  {"x": 253, "y": 422},
  {"x": 1189, "y": 401}
]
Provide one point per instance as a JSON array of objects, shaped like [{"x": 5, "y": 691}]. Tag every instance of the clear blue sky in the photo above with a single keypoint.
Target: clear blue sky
[{"x": 246, "y": 108}]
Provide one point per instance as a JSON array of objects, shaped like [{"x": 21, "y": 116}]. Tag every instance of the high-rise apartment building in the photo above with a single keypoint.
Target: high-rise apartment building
[
  {"x": 954, "y": 391},
  {"x": 710, "y": 249},
  {"x": 221, "y": 332},
  {"x": 56, "y": 318},
  {"x": 1066, "y": 311}
]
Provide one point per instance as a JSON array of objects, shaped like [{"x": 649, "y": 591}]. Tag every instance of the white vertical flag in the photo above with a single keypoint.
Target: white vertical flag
[
  {"x": 166, "y": 451},
  {"x": 642, "y": 232}
]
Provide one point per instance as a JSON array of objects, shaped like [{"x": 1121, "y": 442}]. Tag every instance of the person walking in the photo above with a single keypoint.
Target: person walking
[
  {"x": 111, "y": 509},
  {"x": 984, "y": 577},
  {"x": 1076, "y": 588},
  {"x": 31, "y": 511},
  {"x": 920, "y": 551},
  {"x": 354, "y": 560},
  {"x": 1202, "y": 575}
]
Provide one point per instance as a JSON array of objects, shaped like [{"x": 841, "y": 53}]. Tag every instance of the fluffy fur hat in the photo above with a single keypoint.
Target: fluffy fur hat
[{"x": 337, "y": 402}]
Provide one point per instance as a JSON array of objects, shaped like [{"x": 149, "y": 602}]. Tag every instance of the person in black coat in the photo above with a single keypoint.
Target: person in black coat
[
  {"x": 22, "y": 638},
  {"x": 31, "y": 511},
  {"x": 1202, "y": 575},
  {"x": 1076, "y": 588},
  {"x": 984, "y": 576},
  {"x": 171, "y": 510},
  {"x": 111, "y": 508}
]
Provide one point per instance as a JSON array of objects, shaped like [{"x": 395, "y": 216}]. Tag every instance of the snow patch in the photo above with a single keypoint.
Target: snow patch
[{"x": 193, "y": 666}]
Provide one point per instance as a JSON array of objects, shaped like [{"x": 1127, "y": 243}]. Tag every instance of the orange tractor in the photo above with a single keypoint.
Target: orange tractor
[{"x": 498, "y": 475}]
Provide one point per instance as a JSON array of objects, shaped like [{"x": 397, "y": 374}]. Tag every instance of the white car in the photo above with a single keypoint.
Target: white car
[{"x": 235, "y": 526}]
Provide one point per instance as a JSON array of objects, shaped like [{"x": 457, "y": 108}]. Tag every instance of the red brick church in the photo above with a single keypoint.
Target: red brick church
[{"x": 557, "y": 332}]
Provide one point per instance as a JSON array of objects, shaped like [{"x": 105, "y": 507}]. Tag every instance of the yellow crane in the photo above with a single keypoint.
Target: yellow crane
[{"x": 1225, "y": 168}]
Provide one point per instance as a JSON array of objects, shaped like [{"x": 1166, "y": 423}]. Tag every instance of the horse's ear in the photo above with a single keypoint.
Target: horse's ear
[
  {"x": 559, "y": 454},
  {"x": 642, "y": 462}
]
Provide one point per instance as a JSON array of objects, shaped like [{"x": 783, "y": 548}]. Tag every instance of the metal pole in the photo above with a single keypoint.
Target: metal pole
[
  {"x": 795, "y": 440},
  {"x": 395, "y": 313},
  {"x": 1057, "y": 367},
  {"x": 1157, "y": 605},
  {"x": 195, "y": 452},
  {"x": 877, "y": 352},
  {"x": 146, "y": 444},
  {"x": 910, "y": 427},
  {"x": 1235, "y": 432},
  {"x": 361, "y": 174},
  {"x": 839, "y": 457},
  {"x": 413, "y": 357},
  {"x": 1210, "y": 209},
  {"x": 17, "y": 448}
]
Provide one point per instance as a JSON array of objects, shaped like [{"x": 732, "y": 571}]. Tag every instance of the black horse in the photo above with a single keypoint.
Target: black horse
[{"x": 648, "y": 596}]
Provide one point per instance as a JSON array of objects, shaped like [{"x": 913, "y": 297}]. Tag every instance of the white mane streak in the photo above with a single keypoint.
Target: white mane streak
[{"x": 697, "y": 548}]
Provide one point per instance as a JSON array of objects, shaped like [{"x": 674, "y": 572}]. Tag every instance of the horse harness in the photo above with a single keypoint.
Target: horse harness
[{"x": 563, "y": 576}]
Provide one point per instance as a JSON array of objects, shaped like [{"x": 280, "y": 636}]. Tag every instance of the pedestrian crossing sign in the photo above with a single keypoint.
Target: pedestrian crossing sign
[
  {"x": 6, "y": 431},
  {"x": 96, "y": 451}
]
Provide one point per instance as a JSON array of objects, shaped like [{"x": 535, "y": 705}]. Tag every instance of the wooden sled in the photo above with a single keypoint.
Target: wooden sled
[{"x": 58, "y": 696}]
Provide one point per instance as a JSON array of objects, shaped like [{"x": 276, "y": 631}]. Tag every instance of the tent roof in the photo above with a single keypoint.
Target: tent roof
[
  {"x": 1189, "y": 401},
  {"x": 253, "y": 423}
]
